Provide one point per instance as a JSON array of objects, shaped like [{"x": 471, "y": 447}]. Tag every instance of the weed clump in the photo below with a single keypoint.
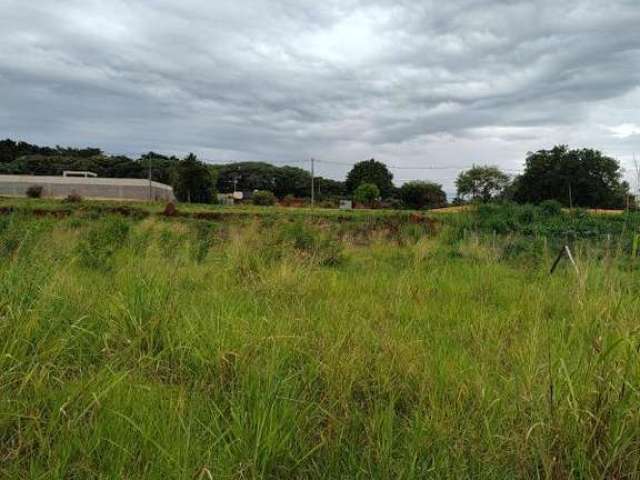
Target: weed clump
[
  {"x": 102, "y": 241},
  {"x": 34, "y": 191},
  {"x": 73, "y": 197},
  {"x": 202, "y": 240},
  {"x": 313, "y": 243}
]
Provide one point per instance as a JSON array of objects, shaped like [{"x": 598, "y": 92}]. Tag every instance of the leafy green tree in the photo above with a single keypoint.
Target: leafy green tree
[
  {"x": 419, "y": 194},
  {"x": 481, "y": 183},
  {"x": 579, "y": 178},
  {"x": 371, "y": 171},
  {"x": 193, "y": 181},
  {"x": 366, "y": 193}
]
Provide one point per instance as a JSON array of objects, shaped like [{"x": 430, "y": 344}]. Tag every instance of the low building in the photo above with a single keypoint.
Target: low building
[{"x": 87, "y": 186}]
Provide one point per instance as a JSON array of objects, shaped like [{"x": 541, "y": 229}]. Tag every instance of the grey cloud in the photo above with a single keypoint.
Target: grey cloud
[{"x": 283, "y": 79}]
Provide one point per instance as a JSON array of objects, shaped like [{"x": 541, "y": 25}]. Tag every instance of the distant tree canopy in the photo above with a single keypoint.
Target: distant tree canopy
[
  {"x": 481, "y": 183},
  {"x": 282, "y": 181},
  {"x": 583, "y": 178},
  {"x": 11, "y": 151},
  {"x": 419, "y": 195},
  {"x": 328, "y": 188},
  {"x": 371, "y": 171},
  {"x": 193, "y": 181},
  {"x": 23, "y": 158}
]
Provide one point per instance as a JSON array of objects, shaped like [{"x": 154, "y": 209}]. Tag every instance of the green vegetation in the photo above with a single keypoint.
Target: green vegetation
[
  {"x": 481, "y": 183},
  {"x": 419, "y": 195},
  {"x": 264, "y": 198},
  {"x": 547, "y": 220},
  {"x": 366, "y": 193},
  {"x": 370, "y": 171},
  {"x": 576, "y": 178},
  {"x": 193, "y": 181},
  {"x": 271, "y": 343}
]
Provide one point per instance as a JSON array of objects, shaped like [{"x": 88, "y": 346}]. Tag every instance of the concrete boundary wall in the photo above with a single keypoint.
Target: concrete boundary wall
[{"x": 134, "y": 189}]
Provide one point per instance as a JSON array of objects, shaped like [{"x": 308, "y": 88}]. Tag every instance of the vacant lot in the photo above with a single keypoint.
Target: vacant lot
[{"x": 304, "y": 347}]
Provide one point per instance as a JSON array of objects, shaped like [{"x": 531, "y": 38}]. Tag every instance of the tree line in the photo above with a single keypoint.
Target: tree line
[{"x": 575, "y": 178}]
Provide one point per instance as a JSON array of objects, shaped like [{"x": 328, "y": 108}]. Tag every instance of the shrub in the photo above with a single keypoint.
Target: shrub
[
  {"x": 551, "y": 208},
  {"x": 170, "y": 210},
  {"x": 34, "y": 191},
  {"x": 366, "y": 193},
  {"x": 73, "y": 197},
  {"x": 264, "y": 198}
]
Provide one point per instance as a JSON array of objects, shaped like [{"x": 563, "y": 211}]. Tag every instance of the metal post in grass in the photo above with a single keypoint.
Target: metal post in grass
[
  {"x": 564, "y": 252},
  {"x": 313, "y": 194}
]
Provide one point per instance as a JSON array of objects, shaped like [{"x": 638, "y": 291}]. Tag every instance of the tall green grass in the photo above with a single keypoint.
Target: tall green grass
[{"x": 276, "y": 349}]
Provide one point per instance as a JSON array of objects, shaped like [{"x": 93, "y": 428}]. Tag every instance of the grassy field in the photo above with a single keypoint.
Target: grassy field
[{"x": 302, "y": 346}]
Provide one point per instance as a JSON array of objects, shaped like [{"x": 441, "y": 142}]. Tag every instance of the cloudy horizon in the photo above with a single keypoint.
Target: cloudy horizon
[{"x": 433, "y": 85}]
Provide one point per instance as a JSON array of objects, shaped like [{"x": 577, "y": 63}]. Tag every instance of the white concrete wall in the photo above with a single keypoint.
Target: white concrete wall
[{"x": 133, "y": 189}]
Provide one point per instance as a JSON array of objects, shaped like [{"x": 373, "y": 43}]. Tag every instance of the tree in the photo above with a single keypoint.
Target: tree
[
  {"x": 370, "y": 171},
  {"x": 366, "y": 193},
  {"x": 578, "y": 178},
  {"x": 250, "y": 176},
  {"x": 418, "y": 195},
  {"x": 193, "y": 181},
  {"x": 481, "y": 183}
]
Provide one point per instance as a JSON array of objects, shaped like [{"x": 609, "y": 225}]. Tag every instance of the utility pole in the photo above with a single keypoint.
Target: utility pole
[
  {"x": 149, "y": 179},
  {"x": 313, "y": 193},
  {"x": 636, "y": 165},
  {"x": 570, "y": 198}
]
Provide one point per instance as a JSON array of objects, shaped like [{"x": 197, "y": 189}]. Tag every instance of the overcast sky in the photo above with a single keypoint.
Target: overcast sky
[{"x": 421, "y": 83}]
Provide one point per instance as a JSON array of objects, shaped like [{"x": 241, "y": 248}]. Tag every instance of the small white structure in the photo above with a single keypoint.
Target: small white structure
[
  {"x": 90, "y": 187},
  {"x": 72, "y": 173},
  {"x": 225, "y": 198},
  {"x": 346, "y": 204}
]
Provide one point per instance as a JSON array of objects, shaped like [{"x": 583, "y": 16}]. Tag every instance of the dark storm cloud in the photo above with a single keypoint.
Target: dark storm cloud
[{"x": 283, "y": 79}]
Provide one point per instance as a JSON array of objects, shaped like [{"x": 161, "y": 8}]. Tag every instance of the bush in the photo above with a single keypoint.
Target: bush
[
  {"x": 34, "y": 191},
  {"x": 73, "y": 197},
  {"x": 366, "y": 193},
  {"x": 264, "y": 198},
  {"x": 551, "y": 208}
]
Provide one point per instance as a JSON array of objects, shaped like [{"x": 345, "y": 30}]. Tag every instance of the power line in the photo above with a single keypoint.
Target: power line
[
  {"x": 422, "y": 167},
  {"x": 346, "y": 164}
]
